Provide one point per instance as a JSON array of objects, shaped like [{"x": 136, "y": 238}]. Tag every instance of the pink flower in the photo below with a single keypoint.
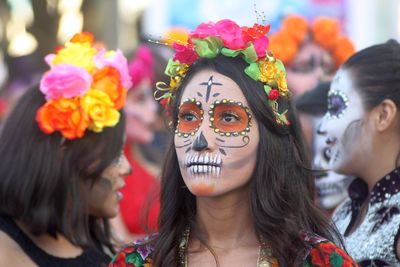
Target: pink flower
[
  {"x": 65, "y": 81},
  {"x": 231, "y": 34},
  {"x": 204, "y": 30},
  {"x": 185, "y": 54},
  {"x": 141, "y": 66},
  {"x": 49, "y": 59},
  {"x": 117, "y": 60},
  {"x": 261, "y": 45}
]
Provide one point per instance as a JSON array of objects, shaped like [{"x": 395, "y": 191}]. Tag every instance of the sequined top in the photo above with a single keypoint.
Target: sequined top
[
  {"x": 319, "y": 253},
  {"x": 374, "y": 241}
]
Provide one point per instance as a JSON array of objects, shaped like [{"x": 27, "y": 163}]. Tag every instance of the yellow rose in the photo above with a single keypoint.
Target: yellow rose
[
  {"x": 100, "y": 108},
  {"x": 77, "y": 54},
  {"x": 282, "y": 83},
  {"x": 268, "y": 71}
]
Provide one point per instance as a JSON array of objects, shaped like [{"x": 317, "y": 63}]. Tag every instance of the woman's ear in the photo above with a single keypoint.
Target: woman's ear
[{"x": 385, "y": 115}]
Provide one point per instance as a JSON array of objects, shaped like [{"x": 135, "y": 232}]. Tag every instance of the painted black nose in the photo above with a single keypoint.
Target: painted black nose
[{"x": 200, "y": 143}]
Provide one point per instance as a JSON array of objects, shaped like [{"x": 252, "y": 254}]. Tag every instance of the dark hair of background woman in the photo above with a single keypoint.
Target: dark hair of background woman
[
  {"x": 375, "y": 72},
  {"x": 281, "y": 188},
  {"x": 42, "y": 175}
]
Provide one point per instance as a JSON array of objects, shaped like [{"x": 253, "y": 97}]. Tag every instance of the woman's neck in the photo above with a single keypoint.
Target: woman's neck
[
  {"x": 226, "y": 221},
  {"x": 384, "y": 159},
  {"x": 59, "y": 247}
]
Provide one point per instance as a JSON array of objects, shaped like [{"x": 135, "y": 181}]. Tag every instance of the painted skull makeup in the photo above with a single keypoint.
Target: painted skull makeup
[
  {"x": 331, "y": 187},
  {"x": 216, "y": 136},
  {"x": 342, "y": 124},
  {"x": 337, "y": 104}
]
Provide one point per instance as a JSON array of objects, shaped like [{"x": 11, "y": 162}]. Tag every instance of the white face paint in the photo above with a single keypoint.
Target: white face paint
[
  {"x": 217, "y": 137},
  {"x": 342, "y": 124},
  {"x": 331, "y": 186}
]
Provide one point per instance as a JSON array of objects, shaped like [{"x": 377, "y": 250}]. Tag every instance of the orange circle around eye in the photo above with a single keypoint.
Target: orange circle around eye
[
  {"x": 190, "y": 117},
  {"x": 240, "y": 123}
]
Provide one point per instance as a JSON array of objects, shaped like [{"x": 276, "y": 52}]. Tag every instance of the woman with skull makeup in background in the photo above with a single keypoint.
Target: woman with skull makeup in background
[
  {"x": 312, "y": 52},
  {"x": 331, "y": 187},
  {"x": 62, "y": 164},
  {"x": 236, "y": 188},
  {"x": 362, "y": 130}
]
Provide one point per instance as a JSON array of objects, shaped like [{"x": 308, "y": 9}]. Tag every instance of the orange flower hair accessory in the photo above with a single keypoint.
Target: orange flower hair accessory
[
  {"x": 286, "y": 42},
  {"x": 85, "y": 88}
]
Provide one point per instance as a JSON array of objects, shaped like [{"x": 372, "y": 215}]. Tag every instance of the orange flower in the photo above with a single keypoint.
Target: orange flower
[
  {"x": 83, "y": 37},
  {"x": 296, "y": 27},
  {"x": 108, "y": 80},
  {"x": 283, "y": 47},
  {"x": 325, "y": 32},
  {"x": 343, "y": 50},
  {"x": 64, "y": 115}
]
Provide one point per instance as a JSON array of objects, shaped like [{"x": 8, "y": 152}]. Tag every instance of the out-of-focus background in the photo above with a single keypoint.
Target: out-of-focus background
[{"x": 29, "y": 29}]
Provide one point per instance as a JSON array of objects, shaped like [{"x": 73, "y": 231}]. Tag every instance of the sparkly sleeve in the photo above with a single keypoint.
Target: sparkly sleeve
[
  {"x": 133, "y": 256},
  {"x": 327, "y": 254}
]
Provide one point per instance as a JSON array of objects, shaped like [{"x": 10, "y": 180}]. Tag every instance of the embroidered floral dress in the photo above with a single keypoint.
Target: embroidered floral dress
[
  {"x": 373, "y": 242},
  {"x": 321, "y": 253}
]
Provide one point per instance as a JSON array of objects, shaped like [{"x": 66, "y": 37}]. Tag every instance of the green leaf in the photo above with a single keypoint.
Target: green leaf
[
  {"x": 208, "y": 47},
  {"x": 280, "y": 65},
  {"x": 253, "y": 71},
  {"x": 307, "y": 263},
  {"x": 267, "y": 89},
  {"x": 250, "y": 54},
  {"x": 135, "y": 259},
  {"x": 229, "y": 52},
  {"x": 172, "y": 66},
  {"x": 335, "y": 260}
]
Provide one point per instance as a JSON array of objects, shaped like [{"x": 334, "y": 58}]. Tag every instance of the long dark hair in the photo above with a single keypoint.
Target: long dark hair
[
  {"x": 376, "y": 73},
  {"x": 281, "y": 187},
  {"x": 42, "y": 175}
]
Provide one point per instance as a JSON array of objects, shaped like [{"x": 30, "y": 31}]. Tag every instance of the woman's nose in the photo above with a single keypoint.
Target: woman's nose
[
  {"x": 321, "y": 127},
  {"x": 200, "y": 143}
]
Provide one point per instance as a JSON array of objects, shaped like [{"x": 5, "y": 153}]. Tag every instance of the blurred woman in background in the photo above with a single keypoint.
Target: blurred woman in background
[
  {"x": 362, "y": 130},
  {"x": 62, "y": 164}
]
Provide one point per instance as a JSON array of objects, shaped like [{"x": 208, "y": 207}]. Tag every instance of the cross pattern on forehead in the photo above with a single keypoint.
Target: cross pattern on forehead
[{"x": 209, "y": 84}]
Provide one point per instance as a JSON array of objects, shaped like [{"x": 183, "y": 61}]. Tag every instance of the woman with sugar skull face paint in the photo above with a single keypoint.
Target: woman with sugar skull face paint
[
  {"x": 236, "y": 189},
  {"x": 331, "y": 187},
  {"x": 361, "y": 129}
]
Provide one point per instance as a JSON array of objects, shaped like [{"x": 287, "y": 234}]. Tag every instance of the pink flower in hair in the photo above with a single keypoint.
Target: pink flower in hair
[
  {"x": 231, "y": 34},
  {"x": 116, "y": 60},
  {"x": 65, "y": 81},
  {"x": 141, "y": 66},
  {"x": 185, "y": 54},
  {"x": 261, "y": 46},
  {"x": 204, "y": 30}
]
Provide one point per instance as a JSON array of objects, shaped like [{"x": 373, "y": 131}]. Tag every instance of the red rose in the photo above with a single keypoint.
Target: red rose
[
  {"x": 185, "y": 54},
  {"x": 273, "y": 94},
  {"x": 120, "y": 260}
]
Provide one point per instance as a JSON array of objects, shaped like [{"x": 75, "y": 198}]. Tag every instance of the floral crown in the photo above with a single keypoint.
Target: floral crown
[
  {"x": 324, "y": 31},
  {"x": 85, "y": 88},
  {"x": 229, "y": 39}
]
